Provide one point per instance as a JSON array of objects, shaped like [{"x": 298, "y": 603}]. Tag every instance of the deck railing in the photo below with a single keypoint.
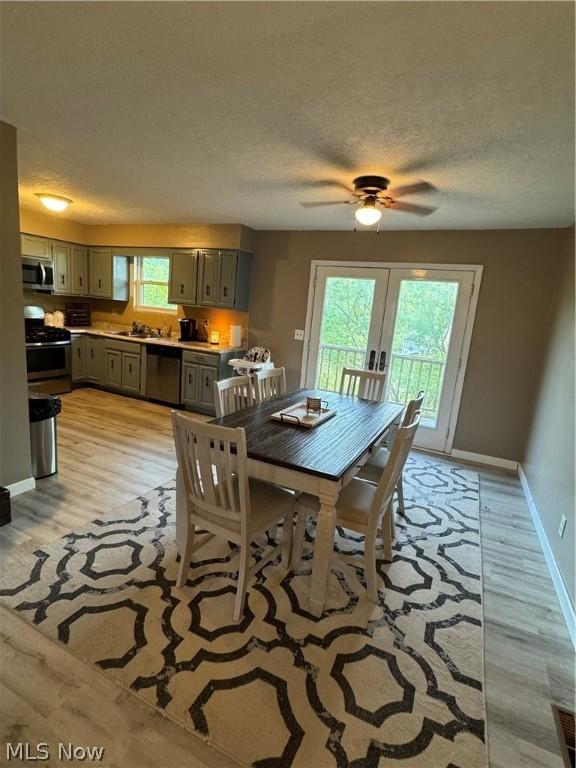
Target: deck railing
[{"x": 407, "y": 374}]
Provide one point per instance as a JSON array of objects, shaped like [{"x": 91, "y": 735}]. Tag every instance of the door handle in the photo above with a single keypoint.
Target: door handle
[
  {"x": 382, "y": 362},
  {"x": 372, "y": 360}
]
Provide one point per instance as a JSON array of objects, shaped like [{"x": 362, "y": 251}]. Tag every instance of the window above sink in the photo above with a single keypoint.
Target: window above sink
[{"x": 151, "y": 277}]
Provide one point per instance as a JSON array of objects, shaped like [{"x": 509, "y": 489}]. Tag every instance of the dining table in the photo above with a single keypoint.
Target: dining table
[{"x": 319, "y": 461}]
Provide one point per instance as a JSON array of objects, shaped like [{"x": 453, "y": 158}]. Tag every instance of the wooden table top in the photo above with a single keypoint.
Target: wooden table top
[{"x": 330, "y": 449}]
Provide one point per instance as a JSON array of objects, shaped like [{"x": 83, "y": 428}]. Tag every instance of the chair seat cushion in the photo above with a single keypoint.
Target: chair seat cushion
[
  {"x": 353, "y": 505},
  {"x": 372, "y": 470}
]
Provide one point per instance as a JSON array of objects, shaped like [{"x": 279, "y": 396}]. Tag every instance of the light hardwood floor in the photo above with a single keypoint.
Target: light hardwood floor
[{"x": 113, "y": 449}]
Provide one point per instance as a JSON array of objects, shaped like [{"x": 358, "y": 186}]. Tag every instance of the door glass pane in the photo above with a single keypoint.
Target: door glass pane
[
  {"x": 346, "y": 316},
  {"x": 422, "y": 329}
]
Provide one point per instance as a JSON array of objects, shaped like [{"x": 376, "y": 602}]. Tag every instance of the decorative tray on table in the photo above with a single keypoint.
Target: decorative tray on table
[{"x": 299, "y": 415}]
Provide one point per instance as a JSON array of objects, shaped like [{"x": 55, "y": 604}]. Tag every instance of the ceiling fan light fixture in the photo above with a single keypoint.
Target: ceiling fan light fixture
[
  {"x": 368, "y": 214},
  {"x": 55, "y": 203}
]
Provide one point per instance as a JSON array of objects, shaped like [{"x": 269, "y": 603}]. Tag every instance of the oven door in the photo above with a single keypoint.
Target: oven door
[{"x": 46, "y": 360}]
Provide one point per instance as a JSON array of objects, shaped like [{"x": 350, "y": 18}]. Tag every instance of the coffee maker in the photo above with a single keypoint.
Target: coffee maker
[{"x": 187, "y": 329}]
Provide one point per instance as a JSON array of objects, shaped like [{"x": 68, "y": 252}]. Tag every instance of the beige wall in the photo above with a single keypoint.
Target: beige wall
[
  {"x": 51, "y": 225},
  {"x": 14, "y": 431},
  {"x": 520, "y": 272},
  {"x": 549, "y": 464}
]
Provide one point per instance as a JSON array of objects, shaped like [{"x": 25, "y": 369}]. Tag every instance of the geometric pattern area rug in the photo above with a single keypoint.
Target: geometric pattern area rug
[{"x": 398, "y": 683}]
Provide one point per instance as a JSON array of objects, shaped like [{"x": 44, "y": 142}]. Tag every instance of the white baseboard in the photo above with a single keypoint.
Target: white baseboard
[
  {"x": 561, "y": 592},
  {"x": 22, "y": 486},
  {"x": 490, "y": 461}
]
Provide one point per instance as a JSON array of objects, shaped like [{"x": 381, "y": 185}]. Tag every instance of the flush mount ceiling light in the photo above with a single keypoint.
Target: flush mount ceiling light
[
  {"x": 55, "y": 203},
  {"x": 368, "y": 214}
]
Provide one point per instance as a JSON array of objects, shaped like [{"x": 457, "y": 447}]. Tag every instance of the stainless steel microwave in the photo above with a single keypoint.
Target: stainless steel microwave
[{"x": 37, "y": 275}]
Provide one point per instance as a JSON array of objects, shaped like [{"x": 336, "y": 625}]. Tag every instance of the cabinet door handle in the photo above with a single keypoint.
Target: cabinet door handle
[
  {"x": 129, "y": 367},
  {"x": 225, "y": 290},
  {"x": 80, "y": 281},
  {"x": 99, "y": 283},
  {"x": 92, "y": 354},
  {"x": 112, "y": 364},
  {"x": 207, "y": 382},
  {"x": 62, "y": 279},
  {"x": 78, "y": 352},
  {"x": 181, "y": 287},
  {"x": 189, "y": 378},
  {"x": 207, "y": 290}
]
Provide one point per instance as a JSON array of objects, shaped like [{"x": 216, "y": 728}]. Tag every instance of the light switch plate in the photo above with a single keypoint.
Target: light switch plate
[
  {"x": 299, "y": 335},
  {"x": 562, "y": 526}
]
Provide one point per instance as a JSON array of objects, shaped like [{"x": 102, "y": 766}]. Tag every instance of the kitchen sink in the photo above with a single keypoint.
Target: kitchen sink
[{"x": 136, "y": 335}]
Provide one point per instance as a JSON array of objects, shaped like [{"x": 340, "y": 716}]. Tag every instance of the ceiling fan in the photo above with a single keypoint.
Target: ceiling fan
[{"x": 370, "y": 194}]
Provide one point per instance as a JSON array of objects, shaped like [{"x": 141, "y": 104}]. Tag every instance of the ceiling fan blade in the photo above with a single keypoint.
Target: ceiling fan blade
[
  {"x": 412, "y": 189},
  {"x": 419, "y": 210},
  {"x": 325, "y": 202}
]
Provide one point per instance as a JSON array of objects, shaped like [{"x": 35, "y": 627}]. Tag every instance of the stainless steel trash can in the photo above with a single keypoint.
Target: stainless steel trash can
[{"x": 43, "y": 410}]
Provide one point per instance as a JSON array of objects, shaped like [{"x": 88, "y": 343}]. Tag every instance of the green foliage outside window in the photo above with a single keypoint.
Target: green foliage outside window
[{"x": 153, "y": 274}]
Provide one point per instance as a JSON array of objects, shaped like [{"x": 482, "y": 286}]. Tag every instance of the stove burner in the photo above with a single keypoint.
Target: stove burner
[{"x": 46, "y": 334}]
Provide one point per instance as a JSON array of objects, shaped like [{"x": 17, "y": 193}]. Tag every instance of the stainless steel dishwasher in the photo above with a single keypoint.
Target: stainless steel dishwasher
[{"x": 163, "y": 366}]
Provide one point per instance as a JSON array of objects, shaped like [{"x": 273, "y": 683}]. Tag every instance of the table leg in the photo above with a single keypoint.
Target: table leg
[{"x": 323, "y": 548}]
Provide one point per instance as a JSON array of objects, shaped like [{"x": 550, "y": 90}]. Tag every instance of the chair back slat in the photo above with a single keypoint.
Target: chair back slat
[
  {"x": 269, "y": 384},
  {"x": 233, "y": 394},
  {"x": 394, "y": 466},
  {"x": 213, "y": 464},
  {"x": 369, "y": 385}
]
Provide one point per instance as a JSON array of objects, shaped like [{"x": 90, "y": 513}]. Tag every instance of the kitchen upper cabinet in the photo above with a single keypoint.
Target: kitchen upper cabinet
[
  {"x": 78, "y": 357},
  {"x": 35, "y": 247},
  {"x": 100, "y": 272},
  {"x": 94, "y": 359},
  {"x": 183, "y": 277},
  {"x": 227, "y": 281},
  {"x": 109, "y": 277},
  {"x": 78, "y": 270},
  {"x": 224, "y": 279},
  {"x": 208, "y": 277},
  {"x": 61, "y": 263}
]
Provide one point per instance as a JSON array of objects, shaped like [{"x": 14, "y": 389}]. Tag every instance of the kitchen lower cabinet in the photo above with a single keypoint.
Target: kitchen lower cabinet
[
  {"x": 94, "y": 359},
  {"x": 78, "y": 358},
  {"x": 113, "y": 377},
  {"x": 130, "y": 373},
  {"x": 199, "y": 372}
]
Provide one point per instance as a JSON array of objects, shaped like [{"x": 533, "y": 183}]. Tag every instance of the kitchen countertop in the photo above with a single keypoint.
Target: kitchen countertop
[{"x": 194, "y": 346}]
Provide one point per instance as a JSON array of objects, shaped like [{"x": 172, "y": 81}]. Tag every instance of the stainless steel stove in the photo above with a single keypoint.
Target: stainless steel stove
[{"x": 48, "y": 354}]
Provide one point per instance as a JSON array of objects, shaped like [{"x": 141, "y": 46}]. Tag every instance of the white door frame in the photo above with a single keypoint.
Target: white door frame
[{"x": 477, "y": 269}]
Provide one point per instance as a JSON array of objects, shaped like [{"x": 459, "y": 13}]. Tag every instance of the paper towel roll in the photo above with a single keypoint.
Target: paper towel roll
[{"x": 235, "y": 335}]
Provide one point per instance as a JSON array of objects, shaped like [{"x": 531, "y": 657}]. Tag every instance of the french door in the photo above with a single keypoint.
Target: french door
[{"x": 411, "y": 323}]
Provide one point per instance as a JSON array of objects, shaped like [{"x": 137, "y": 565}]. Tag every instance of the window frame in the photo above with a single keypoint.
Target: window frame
[{"x": 139, "y": 282}]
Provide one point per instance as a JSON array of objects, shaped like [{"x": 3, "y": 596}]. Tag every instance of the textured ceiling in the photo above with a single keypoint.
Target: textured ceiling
[{"x": 237, "y": 112}]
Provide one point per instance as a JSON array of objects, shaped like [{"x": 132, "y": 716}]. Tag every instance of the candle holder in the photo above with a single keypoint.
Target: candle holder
[{"x": 214, "y": 337}]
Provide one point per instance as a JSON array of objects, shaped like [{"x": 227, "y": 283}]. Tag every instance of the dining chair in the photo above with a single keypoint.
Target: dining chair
[
  {"x": 373, "y": 468},
  {"x": 221, "y": 499},
  {"x": 369, "y": 385},
  {"x": 233, "y": 394},
  {"x": 269, "y": 384},
  {"x": 364, "y": 507}
]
